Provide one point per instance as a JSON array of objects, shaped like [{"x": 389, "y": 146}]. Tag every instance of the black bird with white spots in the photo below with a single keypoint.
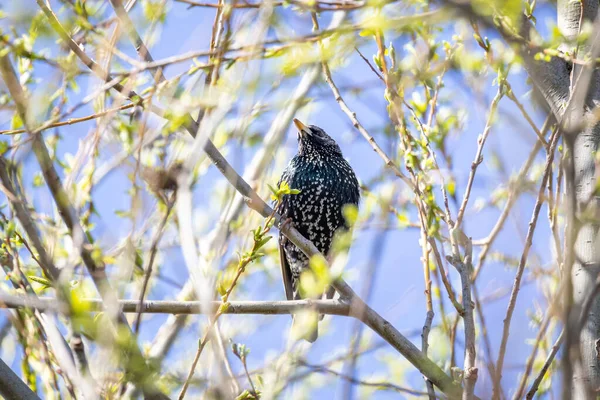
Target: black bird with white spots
[{"x": 327, "y": 183}]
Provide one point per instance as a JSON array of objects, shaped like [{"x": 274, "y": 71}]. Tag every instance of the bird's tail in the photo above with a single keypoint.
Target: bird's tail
[{"x": 306, "y": 326}]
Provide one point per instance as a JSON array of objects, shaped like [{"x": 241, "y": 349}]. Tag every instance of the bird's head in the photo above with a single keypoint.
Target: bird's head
[{"x": 312, "y": 139}]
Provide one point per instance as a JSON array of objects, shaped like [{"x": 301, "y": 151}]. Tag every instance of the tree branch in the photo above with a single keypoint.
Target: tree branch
[
  {"x": 550, "y": 78},
  {"x": 478, "y": 155},
  {"x": 24, "y": 217},
  {"x": 69, "y": 217},
  {"x": 329, "y": 307},
  {"x": 354, "y": 381},
  {"x": 371, "y": 318},
  {"x": 214, "y": 240},
  {"x": 12, "y": 387},
  {"x": 521, "y": 268},
  {"x": 72, "y": 121},
  {"x": 465, "y": 268},
  {"x": 536, "y": 383}
]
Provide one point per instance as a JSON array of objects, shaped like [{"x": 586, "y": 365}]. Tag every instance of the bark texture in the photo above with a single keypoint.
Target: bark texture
[{"x": 585, "y": 268}]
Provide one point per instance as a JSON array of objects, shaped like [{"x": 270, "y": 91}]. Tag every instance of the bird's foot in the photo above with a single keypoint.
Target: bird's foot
[
  {"x": 284, "y": 224},
  {"x": 345, "y": 299}
]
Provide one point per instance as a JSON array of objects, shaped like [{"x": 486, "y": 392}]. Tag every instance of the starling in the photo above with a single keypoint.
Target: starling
[{"x": 327, "y": 183}]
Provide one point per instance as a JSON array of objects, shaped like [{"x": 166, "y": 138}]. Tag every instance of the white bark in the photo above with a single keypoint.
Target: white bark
[{"x": 585, "y": 267}]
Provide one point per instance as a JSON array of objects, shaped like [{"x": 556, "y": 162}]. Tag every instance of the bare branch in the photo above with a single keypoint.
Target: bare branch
[
  {"x": 318, "y": 6},
  {"x": 464, "y": 268},
  {"x": 371, "y": 318},
  {"x": 536, "y": 383},
  {"x": 66, "y": 210},
  {"x": 521, "y": 268},
  {"x": 27, "y": 222},
  {"x": 329, "y": 307},
  {"x": 350, "y": 379},
  {"x": 478, "y": 154},
  {"x": 12, "y": 387},
  {"x": 72, "y": 121},
  {"x": 512, "y": 198},
  {"x": 352, "y": 116},
  {"x": 440, "y": 264},
  {"x": 153, "y": 251},
  {"x": 530, "y": 360},
  {"x": 540, "y": 134}
]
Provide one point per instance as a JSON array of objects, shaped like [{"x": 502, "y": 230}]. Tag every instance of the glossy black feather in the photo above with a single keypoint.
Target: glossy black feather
[{"x": 327, "y": 183}]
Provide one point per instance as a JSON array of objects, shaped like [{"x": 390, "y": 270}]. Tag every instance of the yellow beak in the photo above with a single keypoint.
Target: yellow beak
[{"x": 302, "y": 129}]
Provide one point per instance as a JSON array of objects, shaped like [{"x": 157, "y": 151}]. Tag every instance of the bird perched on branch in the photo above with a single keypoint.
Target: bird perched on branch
[{"x": 327, "y": 183}]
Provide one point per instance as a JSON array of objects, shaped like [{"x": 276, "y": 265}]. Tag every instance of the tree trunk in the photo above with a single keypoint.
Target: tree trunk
[{"x": 581, "y": 356}]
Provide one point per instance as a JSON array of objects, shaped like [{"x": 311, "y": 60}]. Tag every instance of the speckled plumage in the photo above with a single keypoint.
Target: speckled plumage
[{"x": 326, "y": 182}]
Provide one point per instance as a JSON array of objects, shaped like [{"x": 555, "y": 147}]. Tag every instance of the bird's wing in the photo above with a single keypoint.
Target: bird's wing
[{"x": 286, "y": 272}]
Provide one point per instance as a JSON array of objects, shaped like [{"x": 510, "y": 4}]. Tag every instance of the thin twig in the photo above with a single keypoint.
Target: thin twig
[
  {"x": 381, "y": 385},
  {"x": 352, "y": 116},
  {"x": 153, "y": 250},
  {"x": 540, "y": 134},
  {"x": 242, "y": 357},
  {"x": 317, "y": 6},
  {"x": 139, "y": 44},
  {"x": 484, "y": 331},
  {"x": 253, "y": 172},
  {"x": 60, "y": 351},
  {"x": 260, "y": 49},
  {"x": 428, "y": 296},
  {"x": 68, "y": 215},
  {"x": 536, "y": 383},
  {"x": 369, "y": 64},
  {"x": 521, "y": 268},
  {"x": 530, "y": 360},
  {"x": 372, "y": 319},
  {"x": 72, "y": 121},
  {"x": 478, "y": 154},
  {"x": 440, "y": 264},
  {"x": 24, "y": 216},
  {"x": 243, "y": 263},
  {"x": 512, "y": 198},
  {"x": 585, "y": 313},
  {"x": 347, "y": 392}
]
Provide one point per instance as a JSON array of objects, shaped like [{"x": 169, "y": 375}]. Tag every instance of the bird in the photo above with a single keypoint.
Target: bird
[{"x": 327, "y": 183}]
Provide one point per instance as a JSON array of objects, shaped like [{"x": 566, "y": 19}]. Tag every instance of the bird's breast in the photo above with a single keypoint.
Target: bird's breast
[{"x": 317, "y": 209}]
